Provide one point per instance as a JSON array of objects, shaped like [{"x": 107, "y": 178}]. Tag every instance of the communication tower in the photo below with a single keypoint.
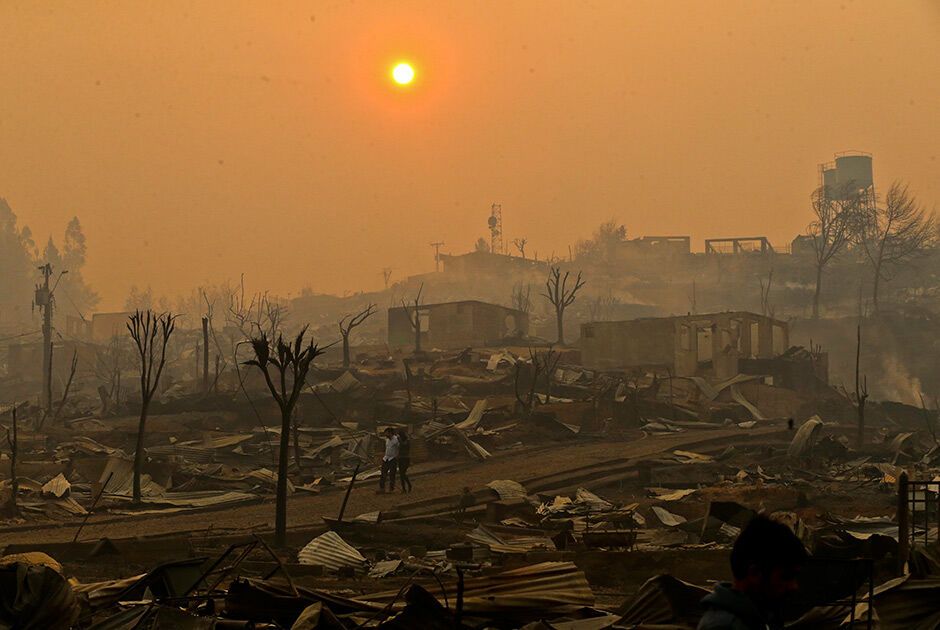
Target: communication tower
[
  {"x": 496, "y": 228},
  {"x": 437, "y": 254}
]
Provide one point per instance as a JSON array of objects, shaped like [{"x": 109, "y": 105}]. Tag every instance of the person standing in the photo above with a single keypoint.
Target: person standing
[
  {"x": 404, "y": 460},
  {"x": 466, "y": 500},
  {"x": 389, "y": 460}
]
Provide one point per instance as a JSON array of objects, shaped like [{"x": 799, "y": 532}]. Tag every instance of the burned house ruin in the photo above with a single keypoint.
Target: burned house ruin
[
  {"x": 456, "y": 324},
  {"x": 688, "y": 345}
]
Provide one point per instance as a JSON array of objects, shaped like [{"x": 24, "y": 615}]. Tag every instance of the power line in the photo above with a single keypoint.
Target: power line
[{"x": 20, "y": 335}]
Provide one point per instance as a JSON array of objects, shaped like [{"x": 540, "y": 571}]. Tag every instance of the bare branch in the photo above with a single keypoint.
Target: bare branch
[
  {"x": 894, "y": 233},
  {"x": 561, "y": 296}
]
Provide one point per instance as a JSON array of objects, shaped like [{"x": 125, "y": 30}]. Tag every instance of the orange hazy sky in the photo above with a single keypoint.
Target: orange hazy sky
[{"x": 199, "y": 140}]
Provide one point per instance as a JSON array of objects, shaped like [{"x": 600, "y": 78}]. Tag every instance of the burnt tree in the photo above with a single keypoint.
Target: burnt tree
[
  {"x": 521, "y": 300},
  {"x": 526, "y": 400},
  {"x": 205, "y": 355},
  {"x": 861, "y": 390},
  {"x": 151, "y": 334},
  {"x": 290, "y": 363},
  {"x": 348, "y": 323},
  {"x": 548, "y": 361},
  {"x": 414, "y": 317},
  {"x": 68, "y": 386},
  {"x": 561, "y": 296},
  {"x": 13, "y": 443},
  {"x": 893, "y": 234},
  {"x": 830, "y": 231}
]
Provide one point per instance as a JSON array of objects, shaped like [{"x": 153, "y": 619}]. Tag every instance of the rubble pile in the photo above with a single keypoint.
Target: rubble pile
[{"x": 544, "y": 499}]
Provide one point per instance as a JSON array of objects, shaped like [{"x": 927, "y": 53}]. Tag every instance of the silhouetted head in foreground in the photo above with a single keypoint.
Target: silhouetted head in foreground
[
  {"x": 766, "y": 559},
  {"x": 765, "y": 562}
]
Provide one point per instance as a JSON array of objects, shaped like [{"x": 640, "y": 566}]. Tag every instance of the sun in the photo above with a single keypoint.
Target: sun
[{"x": 403, "y": 73}]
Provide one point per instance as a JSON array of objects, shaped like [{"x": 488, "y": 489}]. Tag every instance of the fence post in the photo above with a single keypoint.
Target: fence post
[{"x": 904, "y": 523}]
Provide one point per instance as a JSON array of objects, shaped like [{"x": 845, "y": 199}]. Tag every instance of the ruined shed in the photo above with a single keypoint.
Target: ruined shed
[
  {"x": 456, "y": 324},
  {"x": 687, "y": 345},
  {"x": 100, "y": 329}
]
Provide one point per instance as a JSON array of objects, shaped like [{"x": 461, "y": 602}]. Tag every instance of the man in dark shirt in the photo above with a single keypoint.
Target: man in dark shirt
[{"x": 404, "y": 460}]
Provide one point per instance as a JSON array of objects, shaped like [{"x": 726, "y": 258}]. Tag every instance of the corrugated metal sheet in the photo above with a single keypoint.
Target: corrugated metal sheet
[
  {"x": 472, "y": 447},
  {"x": 509, "y": 544},
  {"x": 507, "y": 489},
  {"x": 121, "y": 484},
  {"x": 666, "y": 517},
  {"x": 331, "y": 552},
  {"x": 475, "y": 415},
  {"x": 100, "y": 594},
  {"x": 201, "y": 498},
  {"x": 345, "y": 382},
  {"x": 906, "y": 602},
  {"x": 663, "y": 600},
  {"x": 592, "y": 623},
  {"x": 88, "y": 446},
  {"x": 543, "y": 586},
  {"x": 334, "y": 442},
  {"x": 265, "y": 475},
  {"x": 198, "y": 454},
  {"x": 58, "y": 486},
  {"x": 549, "y": 587},
  {"x": 739, "y": 398},
  {"x": 121, "y": 473},
  {"x": 595, "y": 503},
  {"x": 805, "y": 437}
]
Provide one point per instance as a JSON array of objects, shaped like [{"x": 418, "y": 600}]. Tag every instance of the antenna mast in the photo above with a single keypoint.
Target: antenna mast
[
  {"x": 496, "y": 228},
  {"x": 437, "y": 255}
]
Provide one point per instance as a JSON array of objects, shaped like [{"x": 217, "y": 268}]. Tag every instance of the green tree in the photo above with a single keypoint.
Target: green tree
[
  {"x": 602, "y": 246},
  {"x": 17, "y": 260},
  {"x": 74, "y": 252}
]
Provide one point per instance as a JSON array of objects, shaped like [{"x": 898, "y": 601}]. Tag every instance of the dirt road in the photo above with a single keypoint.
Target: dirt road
[{"x": 307, "y": 510}]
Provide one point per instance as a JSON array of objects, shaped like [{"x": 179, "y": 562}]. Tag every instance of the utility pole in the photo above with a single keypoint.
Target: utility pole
[
  {"x": 44, "y": 300},
  {"x": 205, "y": 356},
  {"x": 437, "y": 255}
]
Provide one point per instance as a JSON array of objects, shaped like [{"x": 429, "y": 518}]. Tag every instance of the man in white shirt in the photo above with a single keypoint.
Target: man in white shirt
[{"x": 389, "y": 460}]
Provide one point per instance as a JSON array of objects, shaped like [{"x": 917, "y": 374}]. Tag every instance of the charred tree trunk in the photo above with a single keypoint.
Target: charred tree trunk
[
  {"x": 346, "y": 326},
  {"x": 205, "y": 355},
  {"x": 816, "y": 293},
  {"x": 346, "y": 351},
  {"x": 139, "y": 452},
  {"x": 151, "y": 334},
  {"x": 13, "y": 442},
  {"x": 408, "y": 379},
  {"x": 861, "y": 390},
  {"x": 280, "y": 510},
  {"x": 561, "y": 296},
  {"x": 68, "y": 386},
  {"x": 296, "y": 425},
  {"x": 876, "y": 284},
  {"x": 292, "y": 363}
]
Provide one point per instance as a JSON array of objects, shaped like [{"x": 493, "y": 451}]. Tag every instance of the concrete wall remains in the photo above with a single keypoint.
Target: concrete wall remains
[
  {"x": 686, "y": 345},
  {"x": 456, "y": 325}
]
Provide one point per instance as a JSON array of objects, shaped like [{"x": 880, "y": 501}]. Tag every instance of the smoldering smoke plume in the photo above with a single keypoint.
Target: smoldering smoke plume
[{"x": 897, "y": 383}]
